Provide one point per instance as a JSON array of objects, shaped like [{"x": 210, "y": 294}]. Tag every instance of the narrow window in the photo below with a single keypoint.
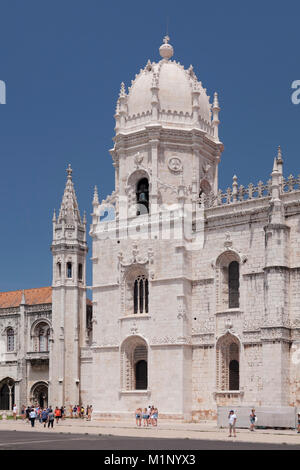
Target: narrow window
[
  {"x": 135, "y": 295},
  {"x": 234, "y": 375},
  {"x": 80, "y": 272},
  {"x": 69, "y": 270},
  {"x": 140, "y": 295},
  {"x": 59, "y": 269},
  {"x": 141, "y": 375},
  {"x": 10, "y": 340},
  {"x": 233, "y": 284}
]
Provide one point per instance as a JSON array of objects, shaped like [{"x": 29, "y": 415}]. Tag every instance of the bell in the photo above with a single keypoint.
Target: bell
[{"x": 142, "y": 197}]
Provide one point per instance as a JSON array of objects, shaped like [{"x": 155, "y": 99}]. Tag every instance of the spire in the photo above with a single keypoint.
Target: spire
[
  {"x": 275, "y": 167},
  {"x": 54, "y": 216},
  {"x": 69, "y": 212}
]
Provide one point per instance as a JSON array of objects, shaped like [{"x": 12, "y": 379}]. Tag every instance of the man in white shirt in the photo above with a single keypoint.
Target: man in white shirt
[
  {"x": 15, "y": 410},
  {"x": 232, "y": 421}
]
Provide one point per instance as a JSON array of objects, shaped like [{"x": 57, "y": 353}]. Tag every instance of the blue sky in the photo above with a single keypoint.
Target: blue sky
[{"x": 63, "y": 62}]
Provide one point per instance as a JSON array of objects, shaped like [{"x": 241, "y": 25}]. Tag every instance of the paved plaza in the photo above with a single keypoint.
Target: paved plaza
[{"x": 76, "y": 433}]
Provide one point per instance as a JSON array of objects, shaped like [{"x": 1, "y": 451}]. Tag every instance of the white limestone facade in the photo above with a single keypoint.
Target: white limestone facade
[{"x": 195, "y": 291}]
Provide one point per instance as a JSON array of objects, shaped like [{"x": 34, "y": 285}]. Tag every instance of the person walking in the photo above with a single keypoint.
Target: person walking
[
  {"x": 57, "y": 414},
  {"x": 23, "y": 413},
  {"x": 298, "y": 428},
  {"x": 253, "y": 419},
  {"x": 44, "y": 417},
  {"x": 27, "y": 411},
  {"x": 50, "y": 418},
  {"x": 232, "y": 423},
  {"x": 90, "y": 410},
  {"x": 82, "y": 411},
  {"x": 15, "y": 410},
  {"x": 32, "y": 417},
  {"x": 62, "y": 412}
]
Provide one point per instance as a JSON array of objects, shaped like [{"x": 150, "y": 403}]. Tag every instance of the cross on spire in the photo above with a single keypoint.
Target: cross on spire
[{"x": 166, "y": 39}]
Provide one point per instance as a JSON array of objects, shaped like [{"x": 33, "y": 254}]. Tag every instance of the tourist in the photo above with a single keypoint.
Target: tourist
[
  {"x": 57, "y": 414},
  {"x": 89, "y": 415},
  {"x": 44, "y": 417},
  {"x": 15, "y": 410},
  {"x": 138, "y": 416},
  {"x": 149, "y": 410},
  {"x": 27, "y": 411},
  {"x": 145, "y": 417},
  {"x": 253, "y": 420},
  {"x": 154, "y": 417},
  {"x": 23, "y": 412},
  {"x": 82, "y": 412},
  {"x": 62, "y": 412},
  {"x": 232, "y": 422},
  {"x": 32, "y": 417},
  {"x": 75, "y": 411},
  {"x": 298, "y": 428},
  {"x": 50, "y": 418}
]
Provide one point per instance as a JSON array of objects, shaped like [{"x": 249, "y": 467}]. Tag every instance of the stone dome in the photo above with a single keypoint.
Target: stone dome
[
  {"x": 175, "y": 87},
  {"x": 165, "y": 92}
]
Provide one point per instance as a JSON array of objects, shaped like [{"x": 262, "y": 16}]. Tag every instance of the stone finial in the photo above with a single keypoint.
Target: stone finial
[
  {"x": 69, "y": 171},
  {"x": 122, "y": 93},
  {"x": 166, "y": 50},
  {"x": 54, "y": 216},
  {"x": 215, "y": 121},
  {"x": 96, "y": 198},
  {"x": 216, "y": 102},
  {"x": 275, "y": 167},
  {"x": 23, "y": 300},
  {"x": 279, "y": 155},
  {"x": 84, "y": 218}
]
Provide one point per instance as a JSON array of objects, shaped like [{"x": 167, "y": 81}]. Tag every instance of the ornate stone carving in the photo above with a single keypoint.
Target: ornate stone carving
[{"x": 175, "y": 164}]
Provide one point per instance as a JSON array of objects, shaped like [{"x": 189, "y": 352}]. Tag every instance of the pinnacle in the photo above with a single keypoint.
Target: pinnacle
[{"x": 69, "y": 212}]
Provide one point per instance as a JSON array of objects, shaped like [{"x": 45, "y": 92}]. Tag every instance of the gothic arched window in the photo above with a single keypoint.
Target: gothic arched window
[
  {"x": 42, "y": 333},
  {"x": 228, "y": 363},
  {"x": 134, "y": 364},
  {"x": 233, "y": 284},
  {"x": 140, "y": 295},
  {"x": 142, "y": 196},
  {"x": 10, "y": 334}
]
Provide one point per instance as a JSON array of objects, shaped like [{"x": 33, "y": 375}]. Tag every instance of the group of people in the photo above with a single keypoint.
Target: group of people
[
  {"x": 48, "y": 415},
  {"x": 149, "y": 416},
  {"x": 43, "y": 415},
  {"x": 78, "y": 411}
]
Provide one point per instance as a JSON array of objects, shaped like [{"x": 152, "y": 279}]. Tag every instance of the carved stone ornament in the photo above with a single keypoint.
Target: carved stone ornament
[
  {"x": 138, "y": 158},
  {"x": 175, "y": 164}
]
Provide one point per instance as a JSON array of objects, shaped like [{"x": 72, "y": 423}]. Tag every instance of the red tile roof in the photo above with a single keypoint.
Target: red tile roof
[{"x": 40, "y": 295}]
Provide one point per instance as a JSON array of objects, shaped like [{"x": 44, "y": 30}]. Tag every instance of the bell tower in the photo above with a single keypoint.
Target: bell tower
[{"x": 69, "y": 250}]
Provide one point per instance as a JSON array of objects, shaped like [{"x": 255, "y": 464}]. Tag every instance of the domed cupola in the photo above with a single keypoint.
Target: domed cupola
[{"x": 168, "y": 94}]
